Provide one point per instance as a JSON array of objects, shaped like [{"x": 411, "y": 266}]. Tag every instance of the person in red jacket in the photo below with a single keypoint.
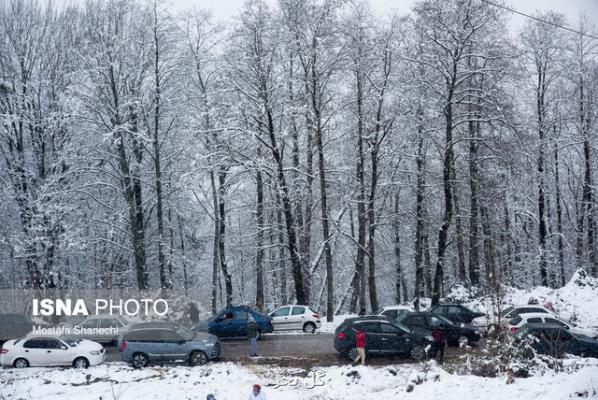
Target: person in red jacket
[
  {"x": 438, "y": 344},
  {"x": 360, "y": 345}
]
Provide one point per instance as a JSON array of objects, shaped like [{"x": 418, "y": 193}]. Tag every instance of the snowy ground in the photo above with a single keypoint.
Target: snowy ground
[{"x": 230, "y": 381}]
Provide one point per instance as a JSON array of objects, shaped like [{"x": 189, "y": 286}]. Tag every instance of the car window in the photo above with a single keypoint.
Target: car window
[
  {"x": 185, "y": 333},
  {"x": 453, "y": 310},
  {"x": 438, "y": 310},
  {"x": 556, "y": 321},
  {"x": 281, "y": 312},
  {"x": 167, "y": 335},
  {"x": 368, "y": 327},
  {"x": 298, "y": 310},
  {"x": 389, "y": 328},
  {"x": 142, "y": 335},
  {"x": 418, "y": 320},
  {"x": 241, "y": 315},
  {"x": 516, "y": 320},
  {"x": 90, "y": 323},
  {"x": 390, "y": 313},
  {"x": 117, "y": 323},
  {"x": 106, "y": 323},
  {"x": 53, "y": 344},
  {"x": 533, "y": 320},
  {"x": 34, "y": 344}
]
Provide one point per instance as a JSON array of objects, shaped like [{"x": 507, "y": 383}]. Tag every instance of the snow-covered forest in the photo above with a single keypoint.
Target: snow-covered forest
[{"x": 308, "y": 151}]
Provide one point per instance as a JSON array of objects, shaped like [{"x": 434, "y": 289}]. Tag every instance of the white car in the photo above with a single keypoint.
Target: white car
[
  {"x": 513, "y": 311},
  {"x": 42, "y": 351},
  {"x": 518, "y": 321},
  {"x": 396, "y": 312},
  {"x": 295, "y": 318}
]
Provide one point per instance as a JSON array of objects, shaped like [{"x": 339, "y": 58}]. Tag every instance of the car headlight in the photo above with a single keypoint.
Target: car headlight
[{"x": 96, "y": 352}]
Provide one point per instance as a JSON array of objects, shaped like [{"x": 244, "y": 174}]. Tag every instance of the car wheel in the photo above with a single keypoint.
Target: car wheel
[
  {"x": 418, "y": 353},
  {"x": 198, "y": 358},
  {"x": 352, "y": 353},
  {"x": 81, "y": 362},
  {"x": 20, "y": 363},
  {"x": 140, "y": 360},
  {"x": 463, "y": 341},
  {"x": 309, "y": 327}
]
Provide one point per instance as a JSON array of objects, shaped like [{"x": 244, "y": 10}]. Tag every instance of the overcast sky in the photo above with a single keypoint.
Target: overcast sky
[{"x": 224, "y": 9}]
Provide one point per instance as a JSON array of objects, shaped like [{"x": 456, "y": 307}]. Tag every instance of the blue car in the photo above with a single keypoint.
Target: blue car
[
  {"x": 231, "y": 322},
  {"x": 151, "y": 342}
]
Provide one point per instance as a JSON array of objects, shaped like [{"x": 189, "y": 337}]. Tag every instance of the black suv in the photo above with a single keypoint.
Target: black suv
[
  {"x": 455, "y": 312},
  {"x": 456, "y": 334},
  {"x": 382, "y": 337},
  {"x": 555, "y": 340}
]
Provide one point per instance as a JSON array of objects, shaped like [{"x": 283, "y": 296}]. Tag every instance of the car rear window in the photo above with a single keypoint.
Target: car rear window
[{"x": 516, "y": 320}]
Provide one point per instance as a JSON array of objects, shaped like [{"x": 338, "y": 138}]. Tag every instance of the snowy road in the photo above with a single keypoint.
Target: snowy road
[{"x": 295, "y": 350}]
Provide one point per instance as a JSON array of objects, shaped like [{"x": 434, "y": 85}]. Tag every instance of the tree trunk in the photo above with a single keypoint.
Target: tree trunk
[
  {"x": 419, "y": 212},
  {"x": 259, "y": 256}
]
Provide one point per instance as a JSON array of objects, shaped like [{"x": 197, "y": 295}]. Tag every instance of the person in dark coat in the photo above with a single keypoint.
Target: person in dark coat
[
  {"x": 193, "y": 313},
  {"x": 438, "y": 345},
  {"x": 252, "y": 336}
]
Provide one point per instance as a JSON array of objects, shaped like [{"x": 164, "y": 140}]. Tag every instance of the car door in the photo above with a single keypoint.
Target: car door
[
  {"x": 280, "y": 318},
  {"x": 416, "y": 322},
  {"x": 297, "y": 317},
  {"x": 58, "y": 353},
  {"x": 222, "y": 325},
  {"x": 34, "y": 350},
  {"x": 392, "y": 339},
  {"x": 373, "y": 342},
  {"x": 451, "y": 332},
  {"x": 239, "y": 323},
  {"x": 172, "y": 346}
]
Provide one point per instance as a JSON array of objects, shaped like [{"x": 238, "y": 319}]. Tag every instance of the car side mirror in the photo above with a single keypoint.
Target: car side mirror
[{"x": 63, "y": 347}]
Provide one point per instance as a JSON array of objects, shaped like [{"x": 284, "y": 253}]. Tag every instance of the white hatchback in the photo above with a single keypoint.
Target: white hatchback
[
  {"x": 295, "y": 318},
  {"x": 45, "y": 351},
  {"x": 518, "y": 321}
]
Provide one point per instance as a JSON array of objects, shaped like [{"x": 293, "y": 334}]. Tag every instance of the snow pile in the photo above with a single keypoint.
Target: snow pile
[{"x": 228, "y": 381}]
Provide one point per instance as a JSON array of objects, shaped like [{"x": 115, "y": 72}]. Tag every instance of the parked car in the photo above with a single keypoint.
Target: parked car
[
  {"x": 295, "y": 317},
  {"x": 396, "y": 312},
  {"x": 383, "y": 337},
  {"x": 151, "y": 342},
  {"x": 455, "y": 312},
  {"x": 231, "y": 322},
  {"x": 13, "y": 326},
  {"x": 457, "y": 334},
  {"x": 41, "y": 351},
  {"x": 513, "y": 311},
  {"x": 518, "y": 321},
  {"x": 101, "y": 328},
  {"x": 552, "y": 339}
]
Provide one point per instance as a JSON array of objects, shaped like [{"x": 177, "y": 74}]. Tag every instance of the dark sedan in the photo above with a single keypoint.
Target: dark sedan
[
  {"x": 555, "y": 340},
  {"x": 382, "y": 337},
  {"x": 455, "y": 312},
  {"x": 231, "y": 322},
  {"x": 456, "y": 333}
]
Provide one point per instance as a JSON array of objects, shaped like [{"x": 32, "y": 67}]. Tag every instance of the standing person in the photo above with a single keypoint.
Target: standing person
[
  {"x": 257, "y": 393},
  {"x": 360, "y": 345},
  {"x": 438, "y": 344},
  {"x": 193, "y": 313},
  {"x": 252, "y": 336}
]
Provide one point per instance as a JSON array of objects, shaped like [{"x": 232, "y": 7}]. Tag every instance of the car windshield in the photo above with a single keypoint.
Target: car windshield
[
  {"x": 184, "y": 333},
  {"x": 507, "y": 310},
  {"x": 70, "y": 340}
]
